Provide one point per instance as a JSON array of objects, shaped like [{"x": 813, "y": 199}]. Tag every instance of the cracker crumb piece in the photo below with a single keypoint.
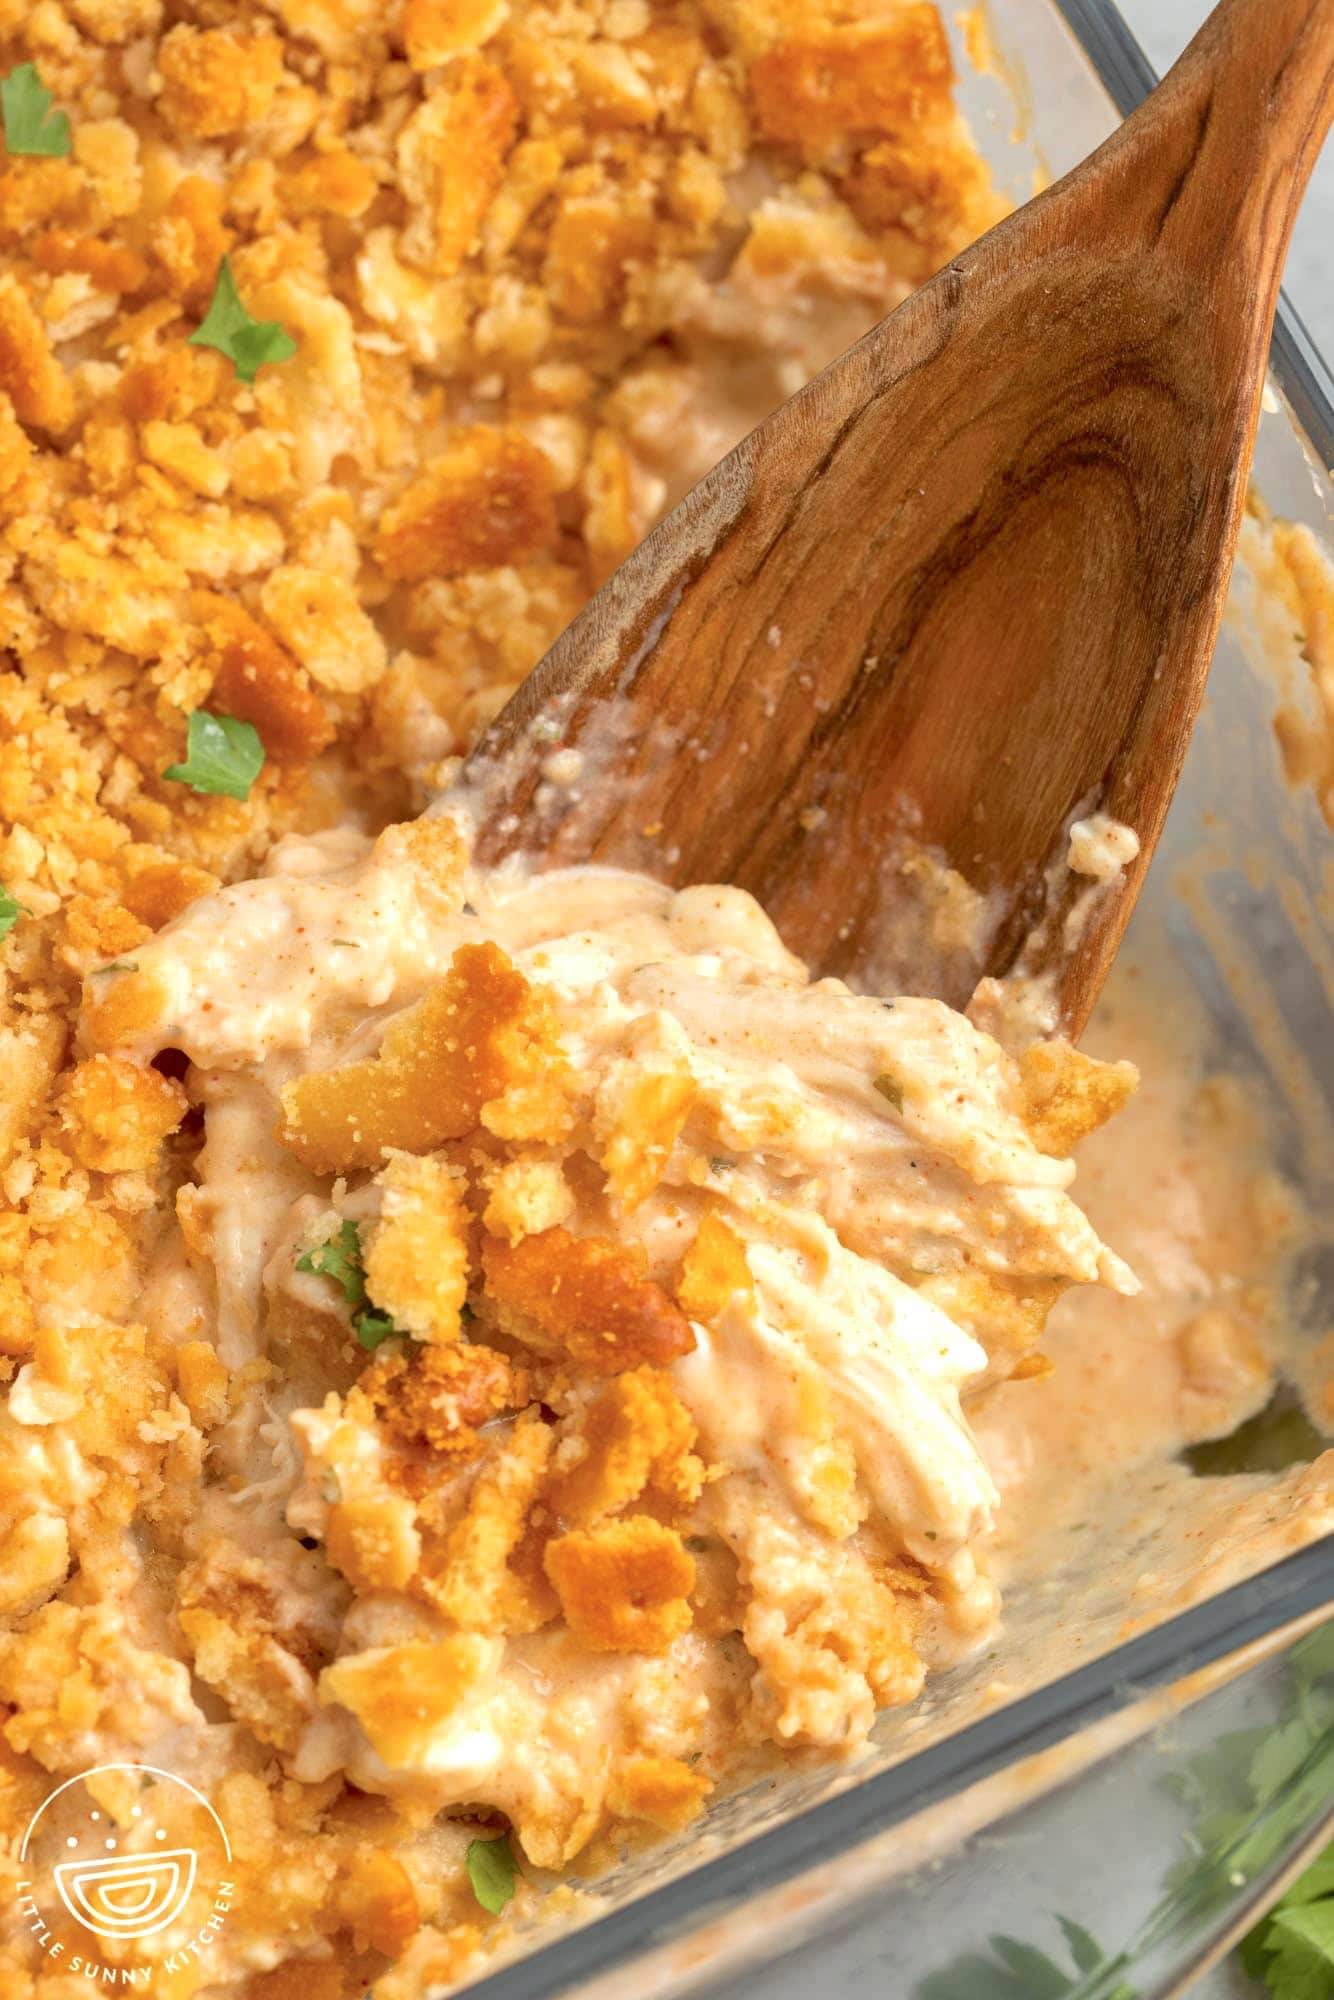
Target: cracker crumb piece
[
  {"x": 437, "y": 1396},
  {"x": 30, "y": 1055},
  {"x": 642, "y": 1106},
  {"x": 112, "y": 267},
  {"x": 437, "y": 849},
  {"x": 662, "y": 1790},
  {"x": 377, "y": 1902},
  {"x": 636, "y": 1436},
  {"x": 243, "y": 1660},
  {"x": 318, "y": 615},
  {"x": 35, "y": 1558},
  {"x": 486, "y": 501},
  {"x": 814, "y": 91},
  {"x": 435, "y": 30},
  {"x": 403, "y": 1695},
  {"x": 156, "y": 887},
  {"x": 259, "y": 681},
  {"x": 589, "y": 1296},
  {"x": 118, "y": 1114},
  {"x": 18, "y": 1322},
  {"x": 525, "y": 1195},
  {"x": 1067, "y": 1095},
  {"x": 451, "y": 157},
  {"x": 416, "y": 1254},
  {"x": 623, "y": 1587},
  {"x": 215, "y": 82},
  {"x": 1007, "y": 1315},
  {"x": 30, "y": 375},
  {"x": 202, "y": 1381},
  {"x": 713, "y": 1270},
  {"x": 373, "y": 1542},
  {"x": 480, "y": 1048},
  {"x": 472, "y": 1573}
]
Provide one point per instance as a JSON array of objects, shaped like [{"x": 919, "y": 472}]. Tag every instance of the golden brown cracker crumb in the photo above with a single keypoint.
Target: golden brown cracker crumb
[
  {"x": 402, "y": 1694},
  {"x": 485, "y": 501},
  {"x": 662, "y": 1790},
  {"x": 478, "y": 1048},
  {"x": 202, "y": 1380},
  {"x": 472, "y": 1572},
  {"x": 416, "y": 1254},
  {"x": 713, "y": 1270},
  {"x": 526, "y": 1194},
  {"x": 588, "y": 1295},
  {"x": 437, "y": 1396},
  {"x": 815, "y": 91},
  {"x": 258, "y": 680},
  {"x": 377, "y": 1902},
  {"x": 373, "y": 1542},
  {"x": 118, "y": 1114},
  {"x": 215, "y": 81},
  {"x": 623, "y": 1587},
  {"x": 1067, "y": 1095},
  {"x": 637, "y": 1433},
  {"x": 30, "y": 372}
]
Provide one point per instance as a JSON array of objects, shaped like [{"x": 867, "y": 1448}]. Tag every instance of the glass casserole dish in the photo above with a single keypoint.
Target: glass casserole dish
[{"x": 1020, "y": 1832}]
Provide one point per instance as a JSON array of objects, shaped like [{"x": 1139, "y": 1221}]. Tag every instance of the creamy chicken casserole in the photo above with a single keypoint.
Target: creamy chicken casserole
[{"x": 482, "y": 1360}]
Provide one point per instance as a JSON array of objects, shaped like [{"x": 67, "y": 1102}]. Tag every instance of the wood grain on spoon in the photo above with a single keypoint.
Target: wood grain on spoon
[{"x": 968, "y": 581}]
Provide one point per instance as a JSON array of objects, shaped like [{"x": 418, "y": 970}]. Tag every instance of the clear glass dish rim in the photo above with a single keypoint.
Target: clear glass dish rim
[
  {"x": 1290, "y": 1593},
  {"x": 1246, "y": 1614},
  {"x": 1295, "y": 361}
]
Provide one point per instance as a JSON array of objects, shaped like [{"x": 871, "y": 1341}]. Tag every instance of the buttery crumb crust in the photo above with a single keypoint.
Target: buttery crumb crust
[{"x": 541, "y": 263}]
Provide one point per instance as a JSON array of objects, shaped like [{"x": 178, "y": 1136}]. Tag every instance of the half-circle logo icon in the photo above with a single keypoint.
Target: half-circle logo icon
[{"x": 128, "y": 1895}]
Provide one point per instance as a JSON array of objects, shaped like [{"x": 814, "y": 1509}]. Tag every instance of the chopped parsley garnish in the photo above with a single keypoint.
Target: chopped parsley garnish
[
  {"x": 491, "y": 1870},
  {"x": 248, "y": 343},
  {"x": 1292, "y": 1950},
  {"x": 340, "y": 1259},
  {"x": 31, "y": 126},
  {"x": 223, "y": 757},
  {"x": 10, "y": 911},
  {"x": 1013, "y": 1970},
  {"x": 891, "y": 1089},
  {"x": 116, "y": 965},
  {"x": 1249, "y": 1795},
  {"x": 372, "y": 1327}
]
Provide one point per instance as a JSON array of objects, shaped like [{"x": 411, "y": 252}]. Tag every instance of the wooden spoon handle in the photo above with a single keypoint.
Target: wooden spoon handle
[
  {"x": 1232, "y": 134},
  {"x": 964, "y": 586}
]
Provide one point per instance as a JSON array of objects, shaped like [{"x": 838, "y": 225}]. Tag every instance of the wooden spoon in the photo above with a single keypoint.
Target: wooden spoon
[{"x": 966, "y": 584}]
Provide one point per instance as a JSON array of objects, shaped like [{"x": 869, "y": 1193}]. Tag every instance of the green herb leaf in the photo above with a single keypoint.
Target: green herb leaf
[
  {"x": 31, "y": 126},
  {"x": 10, "y": 911},
  {"x": 223, "y": 757},
  {"x": 1017, "y": 1971},
  {"x": 372, "y": 1327},
  {"x": 1318, "y": 1881},
  {"x": 339, "y": 1259},
  {"x": 891, "y": 1089},
  {"x": 1301, "y": 1944},
  {"x": 1312, "y": 1658},
  {"x": 1042, "y": 1980},
  {"x": 247, "y": 343},
  {"x": 491, "y": 1870},
  {"x": 1084, "y": 1947}
]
